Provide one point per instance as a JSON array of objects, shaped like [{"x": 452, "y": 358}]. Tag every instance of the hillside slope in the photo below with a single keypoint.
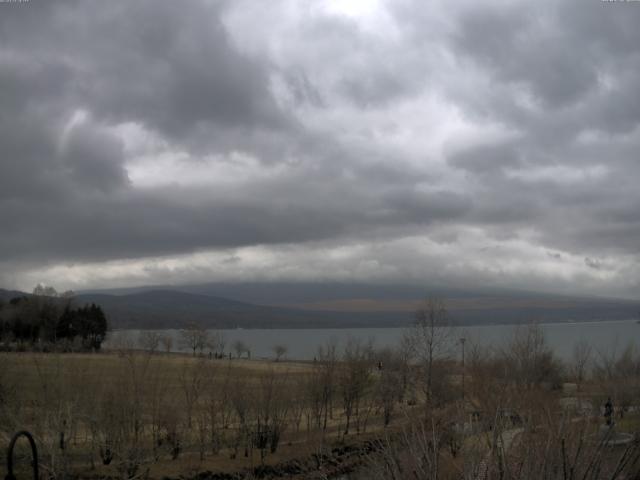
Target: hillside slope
[
  {"x": 308, "y": 305},
  {"x": 336, "y": 308},
  {"x": 174, "y": 309}
]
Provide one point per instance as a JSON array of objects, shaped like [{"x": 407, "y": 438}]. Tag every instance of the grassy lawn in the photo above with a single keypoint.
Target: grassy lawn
[{"x": 630, "y": 423}]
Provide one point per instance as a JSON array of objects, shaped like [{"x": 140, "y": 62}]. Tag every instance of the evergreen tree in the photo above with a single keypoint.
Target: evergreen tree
[{"x": 40, "y": 319}]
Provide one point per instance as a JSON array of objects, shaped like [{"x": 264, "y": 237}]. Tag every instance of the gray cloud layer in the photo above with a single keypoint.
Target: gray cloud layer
[{"x": 159, "y": 129}]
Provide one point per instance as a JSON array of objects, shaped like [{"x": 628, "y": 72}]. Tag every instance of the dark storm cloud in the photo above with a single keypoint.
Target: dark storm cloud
[
  {"x": 533, "y": 47},
  {"x": 138, "y": 224},
  {"x": 577, "y": 64},
  {"x": 336, "y": 119},
  {"x": 94, "y": 160},
  {"x": 174, "y": 71},
  {"x": 165, "y": 65},
  {"x": 168, "y": 67}
]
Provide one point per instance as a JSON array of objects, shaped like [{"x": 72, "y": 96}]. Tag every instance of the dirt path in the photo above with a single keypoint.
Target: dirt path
[{"x": 504, "y": 442}]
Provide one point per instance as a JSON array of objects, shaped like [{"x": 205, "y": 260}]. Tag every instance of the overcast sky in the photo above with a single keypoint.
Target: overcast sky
[{"x": 464, "y": 143}]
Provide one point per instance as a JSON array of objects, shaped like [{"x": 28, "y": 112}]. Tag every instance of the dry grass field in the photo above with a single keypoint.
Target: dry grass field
[
  {"x": 128, "y": 413},
  {"x": 134, "y": 414}
]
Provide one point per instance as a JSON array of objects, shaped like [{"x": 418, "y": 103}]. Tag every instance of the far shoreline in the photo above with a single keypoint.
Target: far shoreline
[{"x": 385, "y": 326}]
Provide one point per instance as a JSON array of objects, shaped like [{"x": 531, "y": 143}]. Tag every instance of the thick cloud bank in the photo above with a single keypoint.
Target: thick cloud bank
[{"x": 423, "y": 142}]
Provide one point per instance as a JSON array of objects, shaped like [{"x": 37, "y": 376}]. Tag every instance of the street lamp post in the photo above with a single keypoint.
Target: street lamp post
[{"x": 462, "y": 340}]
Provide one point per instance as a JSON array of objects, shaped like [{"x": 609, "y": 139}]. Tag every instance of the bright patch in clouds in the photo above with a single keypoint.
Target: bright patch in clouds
[{"x": 353, "y": 8}]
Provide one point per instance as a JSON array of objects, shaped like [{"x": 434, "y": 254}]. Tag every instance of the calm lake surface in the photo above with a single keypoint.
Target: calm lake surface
[{"x": 302, "y": 344}]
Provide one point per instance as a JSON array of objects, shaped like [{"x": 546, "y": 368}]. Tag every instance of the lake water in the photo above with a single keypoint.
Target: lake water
[{"x": 302, "y": 344}]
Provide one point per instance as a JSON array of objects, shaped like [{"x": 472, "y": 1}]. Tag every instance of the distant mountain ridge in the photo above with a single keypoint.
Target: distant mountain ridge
[
  {"x": 349, "y": 304},
  {"x": 7, "y": 295},
  {"x": 174, "y": 309},
  {"x": 334, "y": 305},
  {"x": 290, "y": 293}
]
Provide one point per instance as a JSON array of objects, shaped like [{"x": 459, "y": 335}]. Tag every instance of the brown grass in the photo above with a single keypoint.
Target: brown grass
[{"x": 43, "y": 388}]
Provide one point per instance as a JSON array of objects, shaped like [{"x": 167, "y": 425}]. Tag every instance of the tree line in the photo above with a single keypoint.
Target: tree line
[{"x": 47, "y": 320}]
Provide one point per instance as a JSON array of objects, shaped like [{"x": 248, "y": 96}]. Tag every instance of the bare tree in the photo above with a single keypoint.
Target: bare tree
[
  {"x": 156, "y": 402},
  {"x": 271, "y": 409},
  {"x": 580, "y": 360},
  {"x": 217, "y": 343},
  {"x": 431, "y": 338},
  {"x": 240, "y": 347},
  {"x": 528, "y": 359},
  {"x": 167, "y": 342},
  {"x": 279, "y": 351},
  {"x": 194, "y": 337},
  {"x": 192, "y": 380},
  {"x": 326, "y": 365},
  {"x": 149, "y": 340},
  {"x": 389, "y": 386},
  {"x": 243, "y": 405},
  {"x": 217, "y": 404},
  {"x": 561, "y": 450},
  {"x": 299, "y": 399},
  {"x": 618, "y": 372},
  {"x": 354, "y": 377}
]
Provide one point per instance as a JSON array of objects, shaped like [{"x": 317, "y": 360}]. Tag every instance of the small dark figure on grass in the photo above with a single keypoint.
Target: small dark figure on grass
[{"x": 608, "y": 412}]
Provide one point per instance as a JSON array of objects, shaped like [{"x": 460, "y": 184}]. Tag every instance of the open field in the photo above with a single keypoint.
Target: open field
[
  {"x": 133, "y": 414},
  {"x": 156, "y": 414}
]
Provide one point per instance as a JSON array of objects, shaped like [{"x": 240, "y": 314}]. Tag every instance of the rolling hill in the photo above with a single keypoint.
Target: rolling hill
[
  {"x": 334, "y": 305},
  {"x": 171, "y": 309}
]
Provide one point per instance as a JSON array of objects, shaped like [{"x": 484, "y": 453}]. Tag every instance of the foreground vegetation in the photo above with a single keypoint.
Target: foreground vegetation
[{"x": 416, "y": 411}]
